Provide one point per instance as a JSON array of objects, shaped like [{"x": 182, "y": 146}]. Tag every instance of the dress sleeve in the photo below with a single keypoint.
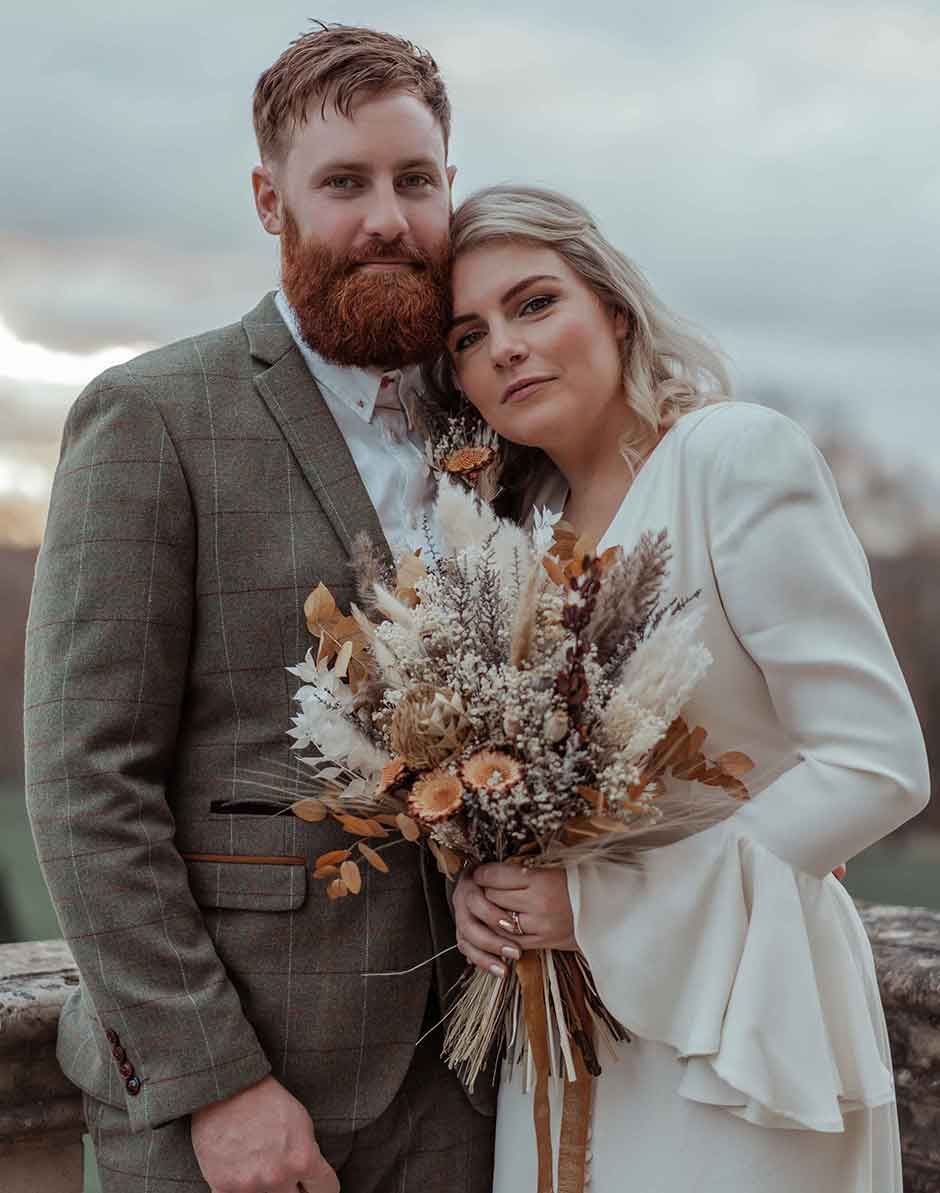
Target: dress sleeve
[
  {"x": 795, "y": 587},
  {"x": 736, "y": 947}
]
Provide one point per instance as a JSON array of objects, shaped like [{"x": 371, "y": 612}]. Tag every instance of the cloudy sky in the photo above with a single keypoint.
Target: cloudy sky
[{"x": 774, "y": 168}]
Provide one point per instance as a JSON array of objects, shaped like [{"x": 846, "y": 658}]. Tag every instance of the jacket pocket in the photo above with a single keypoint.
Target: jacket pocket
[{"x": 247, "y": 882}]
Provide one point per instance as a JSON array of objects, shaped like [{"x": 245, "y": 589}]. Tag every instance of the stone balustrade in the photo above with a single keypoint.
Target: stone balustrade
[
  {"x": 40, "y": 1110},
  {"x": 41, "y": 1113}
]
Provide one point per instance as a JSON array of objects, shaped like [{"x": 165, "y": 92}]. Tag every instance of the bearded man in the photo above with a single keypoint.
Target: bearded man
[{"x": 226, "y": 1033}]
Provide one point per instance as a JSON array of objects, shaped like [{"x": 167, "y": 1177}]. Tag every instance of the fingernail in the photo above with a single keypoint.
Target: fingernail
[
  {"x": 497, "y": 971},
  {"x": 510, "y": 953},
  {"x": 505, "y": 925}
]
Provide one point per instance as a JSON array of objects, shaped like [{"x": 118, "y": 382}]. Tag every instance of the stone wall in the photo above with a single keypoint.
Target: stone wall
[
  {"x": 41, "y": 1114},
  {"x": 906, "y": 944},
  {"x": 40, "y": 1110}
]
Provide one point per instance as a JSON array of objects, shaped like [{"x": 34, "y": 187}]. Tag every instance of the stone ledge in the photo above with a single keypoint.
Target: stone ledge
[
  {"x": 906, "y": 945},
  {"x": 40, "y": 1111}
]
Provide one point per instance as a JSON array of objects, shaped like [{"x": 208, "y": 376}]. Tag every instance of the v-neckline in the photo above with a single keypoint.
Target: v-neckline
[{"x": 644, "y": 470}]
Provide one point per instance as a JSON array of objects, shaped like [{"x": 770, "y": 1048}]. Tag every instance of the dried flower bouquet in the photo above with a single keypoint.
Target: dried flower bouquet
[{"x": 517, "y": 697}]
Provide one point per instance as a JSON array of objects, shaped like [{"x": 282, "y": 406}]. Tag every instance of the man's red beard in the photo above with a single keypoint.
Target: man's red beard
[{"x": 385, "y": 319}]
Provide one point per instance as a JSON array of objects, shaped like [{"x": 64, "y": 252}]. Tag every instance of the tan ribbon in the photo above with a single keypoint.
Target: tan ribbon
[
  {"x": 529, "y": 972},
  {"x": 576, "y": 1115},
  {"x": 575, "y": 1122}
]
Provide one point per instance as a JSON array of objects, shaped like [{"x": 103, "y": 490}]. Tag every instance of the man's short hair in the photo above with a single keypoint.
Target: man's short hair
[{"x": 341, "y": 65}]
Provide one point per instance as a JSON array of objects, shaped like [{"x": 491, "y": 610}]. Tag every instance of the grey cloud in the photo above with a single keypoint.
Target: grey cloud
[{"x": 770, "y": 167}]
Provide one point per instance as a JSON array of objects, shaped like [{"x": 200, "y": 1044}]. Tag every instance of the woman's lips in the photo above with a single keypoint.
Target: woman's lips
[{"x": 519, "y": 392}]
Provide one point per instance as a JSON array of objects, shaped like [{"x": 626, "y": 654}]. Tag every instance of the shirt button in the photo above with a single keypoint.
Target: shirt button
[
  {"x": 111, "y": 1036},
  {"x": 126, "y": 1069},
  {"x": 132, "y": 1085},
  {"x": 118, "y": 1053}
]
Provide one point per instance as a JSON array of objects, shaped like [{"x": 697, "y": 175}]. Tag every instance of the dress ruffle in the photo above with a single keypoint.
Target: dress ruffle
[{"x": 760, "y": 977}]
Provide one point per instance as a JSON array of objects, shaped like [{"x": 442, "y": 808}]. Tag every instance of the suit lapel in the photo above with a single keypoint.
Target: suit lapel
[{"x": 295, "y": 403}]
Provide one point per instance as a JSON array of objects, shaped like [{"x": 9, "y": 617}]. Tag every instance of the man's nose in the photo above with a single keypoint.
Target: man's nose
[{"x": 385, "y": 218}]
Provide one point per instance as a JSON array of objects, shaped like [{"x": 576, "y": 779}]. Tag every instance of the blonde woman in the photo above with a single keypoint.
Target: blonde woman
[{"x": 738, "y": 964}]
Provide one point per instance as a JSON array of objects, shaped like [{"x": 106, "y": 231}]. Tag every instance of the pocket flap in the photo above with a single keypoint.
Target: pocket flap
[{"x": 247, "y": 882}]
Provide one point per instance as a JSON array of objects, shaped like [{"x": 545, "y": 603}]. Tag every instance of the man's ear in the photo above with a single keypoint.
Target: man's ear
[
  {"x": 451, "y": 175},
  {"x": 268, "y": 202}
]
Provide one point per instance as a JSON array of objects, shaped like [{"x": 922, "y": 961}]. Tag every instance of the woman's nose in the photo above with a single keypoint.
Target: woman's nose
[{"x": 506, "y": 351}]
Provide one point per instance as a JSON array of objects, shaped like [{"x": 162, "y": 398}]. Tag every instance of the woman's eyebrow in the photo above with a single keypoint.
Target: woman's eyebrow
[{"x": 507, "y": 297}]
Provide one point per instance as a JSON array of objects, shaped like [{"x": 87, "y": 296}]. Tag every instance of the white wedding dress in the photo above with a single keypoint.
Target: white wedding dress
[{"x": 759, "y": 1061}]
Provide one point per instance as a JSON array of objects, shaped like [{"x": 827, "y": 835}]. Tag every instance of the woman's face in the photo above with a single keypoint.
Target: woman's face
[{"x": 534, "y": 349}]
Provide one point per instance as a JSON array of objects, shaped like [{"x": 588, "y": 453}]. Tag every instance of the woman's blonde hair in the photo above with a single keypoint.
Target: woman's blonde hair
[{"x": 668, "y": 367}]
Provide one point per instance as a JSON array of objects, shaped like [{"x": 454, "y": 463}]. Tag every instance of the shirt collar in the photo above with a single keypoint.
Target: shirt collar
[{"x": 356, "y": 388}]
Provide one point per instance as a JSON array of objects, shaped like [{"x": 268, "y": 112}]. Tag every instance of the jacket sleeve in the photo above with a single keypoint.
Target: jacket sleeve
[
  {"x": 107, "y": 652},
  {"x": 736, "y": 946}
]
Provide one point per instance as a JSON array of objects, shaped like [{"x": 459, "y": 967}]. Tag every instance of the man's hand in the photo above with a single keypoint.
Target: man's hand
[
  {"x": 484, "y": 903},
  {"x": 260, "y": 1140}
]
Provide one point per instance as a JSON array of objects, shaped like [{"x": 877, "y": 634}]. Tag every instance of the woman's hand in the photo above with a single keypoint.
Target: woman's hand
[{"x": 483, "y": 905}]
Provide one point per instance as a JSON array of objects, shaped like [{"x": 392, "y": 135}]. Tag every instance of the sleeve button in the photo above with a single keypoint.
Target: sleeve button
[
  {"x": 126, "y": 1069},
  {"x": 118, "y": 1053},
  {"x": 132, "y": 1085},
  {"x": 111, "y": 1036}
]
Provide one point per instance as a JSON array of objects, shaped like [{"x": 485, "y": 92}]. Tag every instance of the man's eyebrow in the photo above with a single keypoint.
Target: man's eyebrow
[
  {"x": 507, "y": 297},
  {"x": 419, "y": 163},
  {"x": 343, "y": 167},
  {"x": 338, "y": 167}
]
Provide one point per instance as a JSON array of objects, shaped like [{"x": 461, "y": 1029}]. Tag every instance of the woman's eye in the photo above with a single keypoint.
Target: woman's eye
[
  {"x": 538, "y": 303},
  {"x": 467, "y": 341}
]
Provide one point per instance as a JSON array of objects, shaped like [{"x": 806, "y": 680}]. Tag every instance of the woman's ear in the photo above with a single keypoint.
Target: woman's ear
[{"x": 621, "y": 323}]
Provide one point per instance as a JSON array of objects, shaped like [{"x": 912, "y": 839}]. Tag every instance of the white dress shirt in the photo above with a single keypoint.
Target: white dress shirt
[{"x": 374, "y": 411}]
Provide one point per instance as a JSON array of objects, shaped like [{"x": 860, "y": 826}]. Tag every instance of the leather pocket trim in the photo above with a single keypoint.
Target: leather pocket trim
[
  {"x": 247, "y": 882},
  {"x": 244, "y": 859}
]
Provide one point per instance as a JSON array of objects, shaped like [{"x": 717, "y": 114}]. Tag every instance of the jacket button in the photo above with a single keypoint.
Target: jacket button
[
  {"x": 111, "y": 1036},
  {"x": 118, "y": 1053},
  {"x": 126, "y": 1069},
  {"x": 132, "y": 1085}
]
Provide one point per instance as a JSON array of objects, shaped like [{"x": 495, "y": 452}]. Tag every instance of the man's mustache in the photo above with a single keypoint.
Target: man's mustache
[{"x": 399, "y": 251}]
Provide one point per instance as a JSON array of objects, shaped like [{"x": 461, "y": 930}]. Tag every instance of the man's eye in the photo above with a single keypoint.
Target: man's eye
[
  {"x": 415, "y": 181},
  {"x": 539, "y": 303},
  {"x": 342, "y": 182}
]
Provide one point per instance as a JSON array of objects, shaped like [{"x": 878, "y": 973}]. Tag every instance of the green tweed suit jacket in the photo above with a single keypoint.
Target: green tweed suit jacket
[{"x": 203, "y": 490}]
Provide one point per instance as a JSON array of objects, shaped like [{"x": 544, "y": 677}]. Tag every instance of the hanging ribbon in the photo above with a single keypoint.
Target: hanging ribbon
[
  {"x": 576, "y": 1115},
  {"x": 575, "y": 1123},
  {"x": 529, "y": 972}
]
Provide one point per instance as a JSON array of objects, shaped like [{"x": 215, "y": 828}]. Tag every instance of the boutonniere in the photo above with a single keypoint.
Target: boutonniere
[{"x": 466, "y": 449}]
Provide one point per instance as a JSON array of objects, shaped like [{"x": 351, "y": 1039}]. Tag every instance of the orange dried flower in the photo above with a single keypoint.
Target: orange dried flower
[
  {"x": 491, "y": 770},
  {"x": 393, "y": 773},
  {"x": 467, "y": 461},
  {"x": 436, "y": 797}
]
